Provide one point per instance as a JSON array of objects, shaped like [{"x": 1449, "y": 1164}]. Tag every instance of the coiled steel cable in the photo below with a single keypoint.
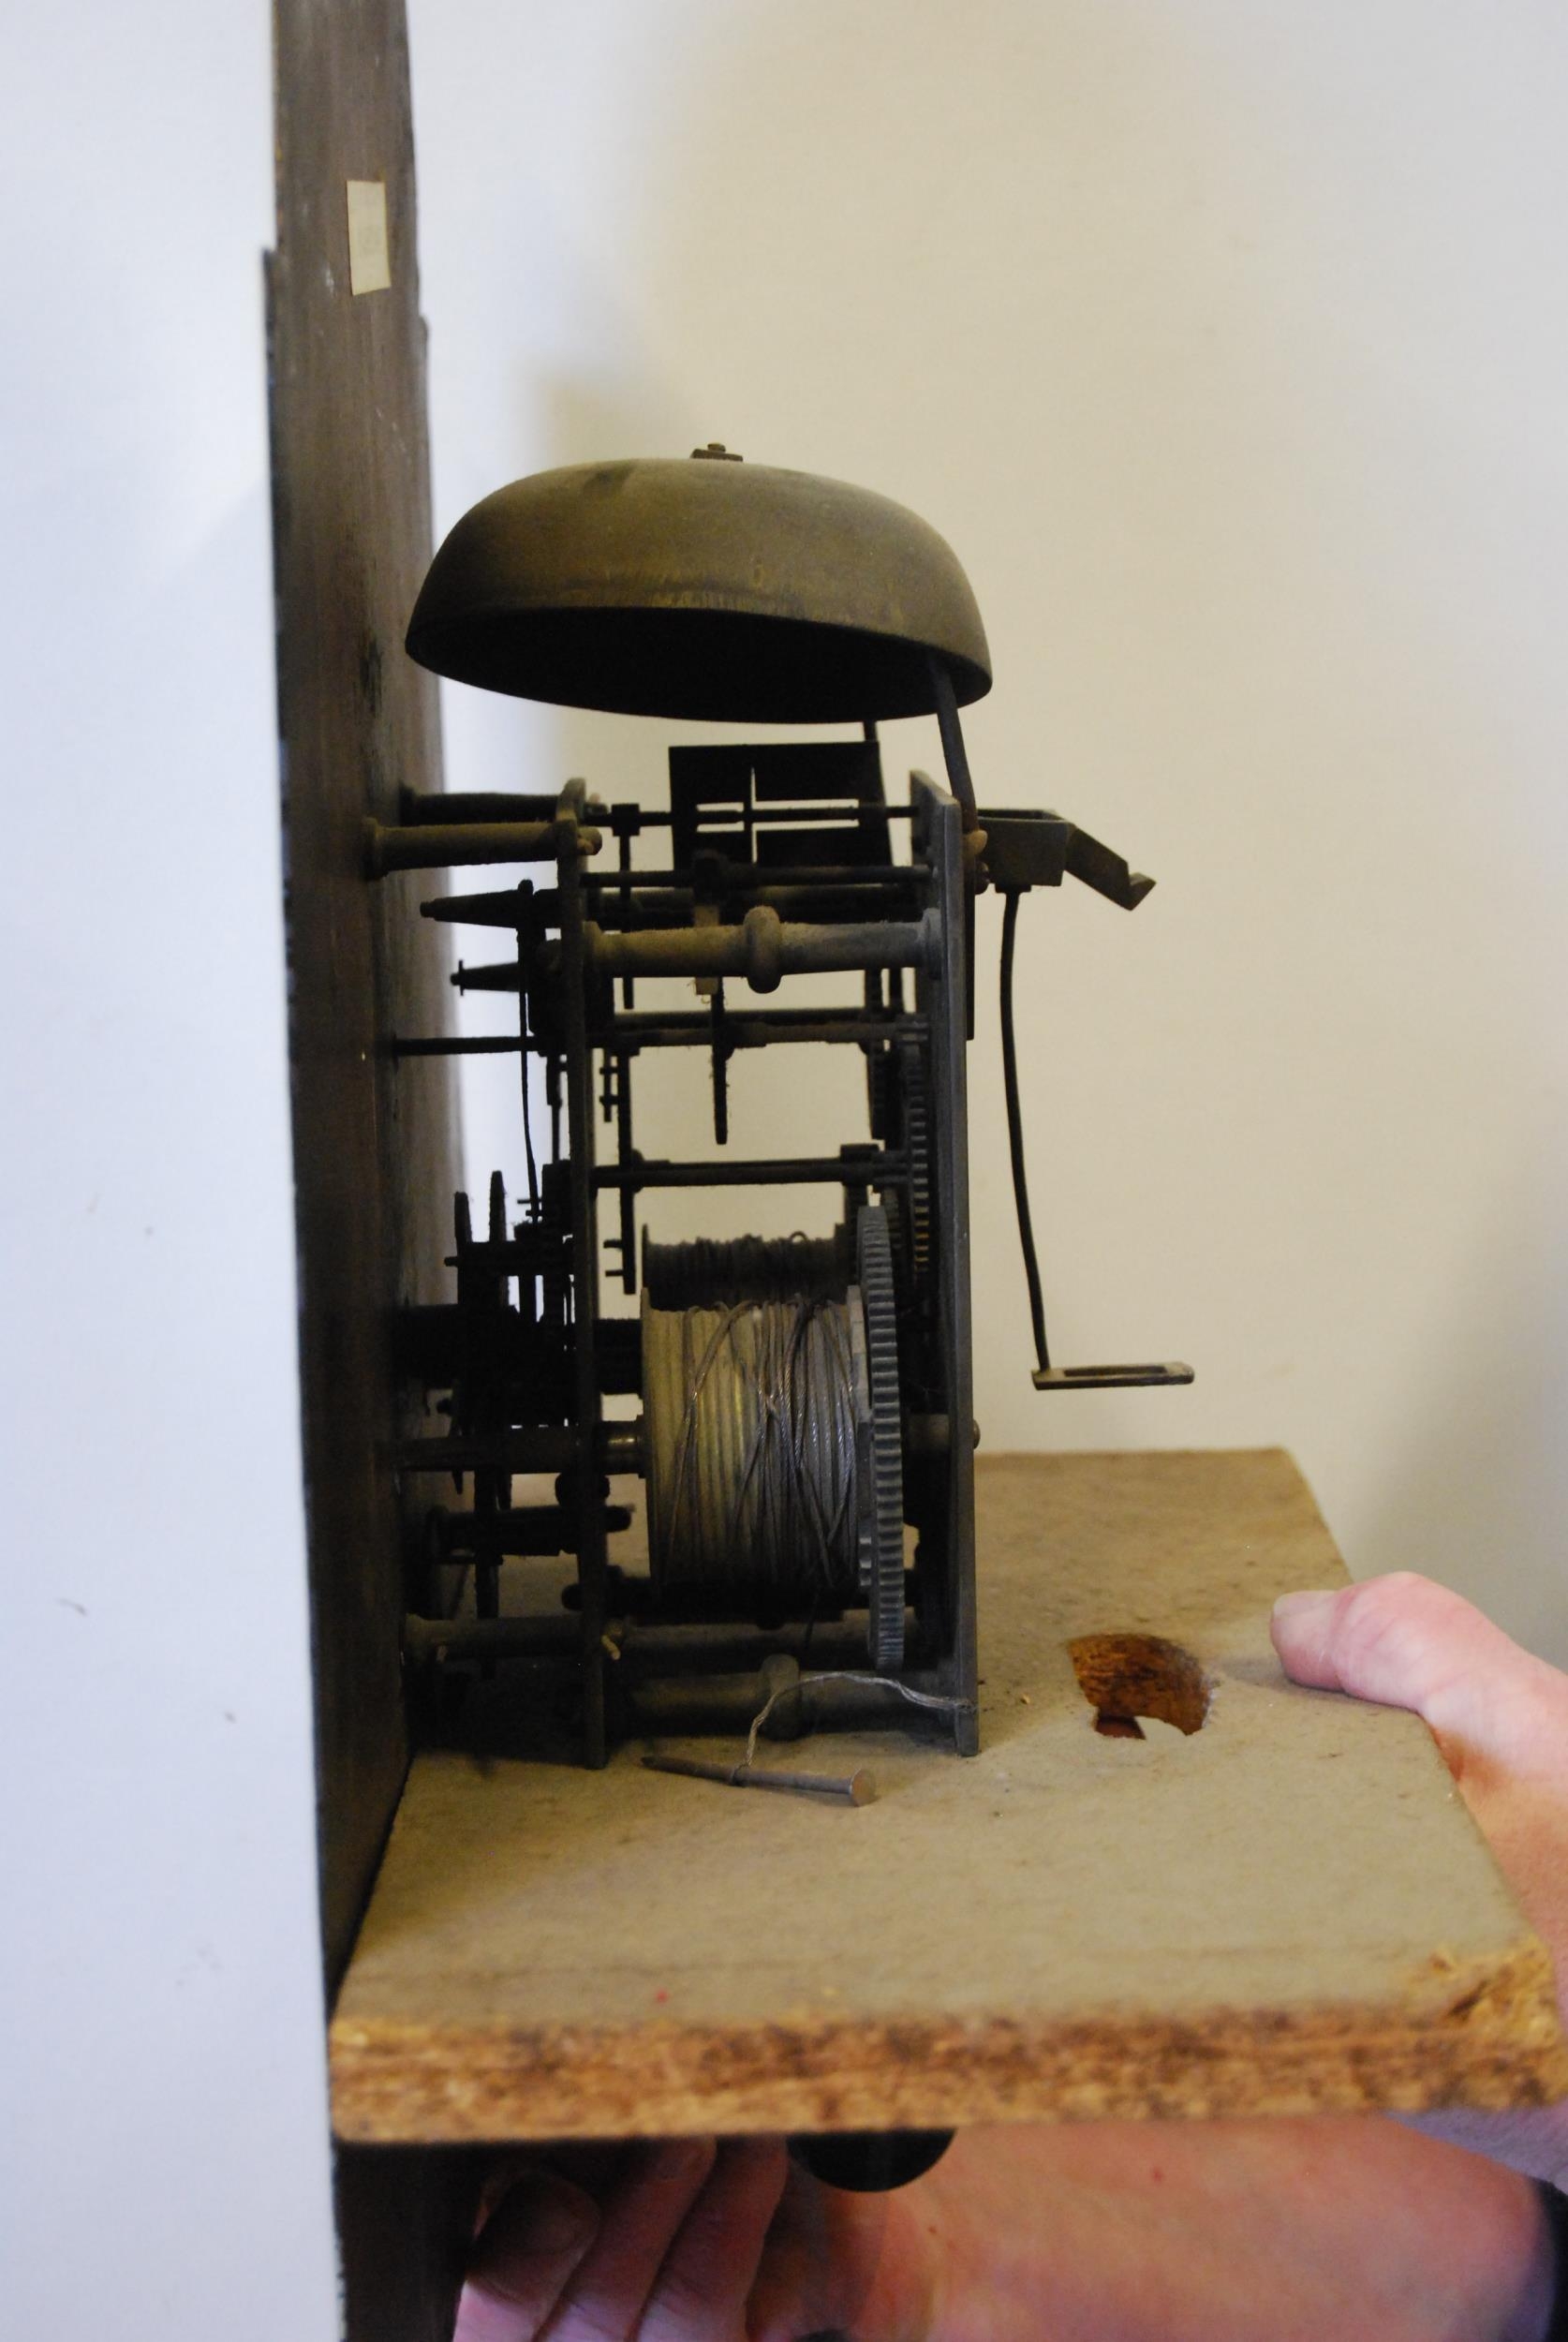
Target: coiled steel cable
[
  {"x": 749, "y": 1415},
  {"x": 715, "y": 1272}
]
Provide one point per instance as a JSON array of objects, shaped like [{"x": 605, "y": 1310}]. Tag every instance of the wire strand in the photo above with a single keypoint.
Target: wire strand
[
  {"x": 1016, "y": 1135},
  {"x": 750, "y": 1415},
  {"x": 880, "y": 1682}
]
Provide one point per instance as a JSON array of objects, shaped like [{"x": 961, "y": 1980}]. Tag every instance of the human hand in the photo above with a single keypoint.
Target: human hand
[
  {"x": 680, "y": 2240},
  {"x": 1240, "y": 2231},
  {"x": 1115, "y": 2232},
  {"x": 1500, "y": 1719}
]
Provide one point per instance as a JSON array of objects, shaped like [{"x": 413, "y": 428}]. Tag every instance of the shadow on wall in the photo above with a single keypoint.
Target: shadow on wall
[
  {"x": 1163, "y": 322},
  {"x": 1477, "y": 1452}
]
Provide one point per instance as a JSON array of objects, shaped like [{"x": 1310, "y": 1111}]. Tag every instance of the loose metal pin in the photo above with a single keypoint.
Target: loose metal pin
[{"x": 855, "y": 1788}]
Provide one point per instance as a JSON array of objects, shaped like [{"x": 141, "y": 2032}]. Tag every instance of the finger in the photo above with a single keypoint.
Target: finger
[
  {"x": 701, "y": 2293},
  {"x": 594, "y": 2164},
  {"x": 526, "y": 2252},
  {"x": 642, "y": 2213},
  {"x": 588, "y": 2164},
  {"x": 819, "y": 2264},
  {"x": 1408, "y": 1643}
]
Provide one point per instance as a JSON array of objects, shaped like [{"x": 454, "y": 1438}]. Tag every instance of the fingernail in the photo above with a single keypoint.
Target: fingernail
[
  {"x": 1300, "y": 1608},
  {"x": 546, "y": 2216}
]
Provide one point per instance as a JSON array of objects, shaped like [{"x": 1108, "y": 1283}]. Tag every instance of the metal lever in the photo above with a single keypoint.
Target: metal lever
[
  {"x": 1110, "y": 1377},
  {"x": 1033, "y": 849},
  {"x": 1106, "y": 872},
  {"x": 1024, "y": 850}
]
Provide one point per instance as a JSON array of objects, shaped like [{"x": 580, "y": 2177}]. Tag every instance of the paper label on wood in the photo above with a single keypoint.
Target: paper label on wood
[{"x": 369, "y": 253}]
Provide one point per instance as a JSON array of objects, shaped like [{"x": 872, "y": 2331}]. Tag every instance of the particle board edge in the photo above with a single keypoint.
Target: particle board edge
[{"x": 1482, "y": 2034}]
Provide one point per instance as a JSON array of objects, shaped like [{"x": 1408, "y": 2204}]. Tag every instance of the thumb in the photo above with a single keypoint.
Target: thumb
[
  {"x": 1407, "y": 1643},
  {"x": 1500, "y": 1719}
]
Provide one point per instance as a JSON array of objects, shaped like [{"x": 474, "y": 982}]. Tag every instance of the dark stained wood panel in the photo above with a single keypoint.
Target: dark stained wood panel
[
  {"x": 372, "y": 1139},
  {"x": 404, "y": 2216}
]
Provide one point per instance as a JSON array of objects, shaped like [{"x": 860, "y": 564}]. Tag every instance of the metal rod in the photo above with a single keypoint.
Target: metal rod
[
  {"x": 507, "y": 907},
  {"x": 954, "y": 754},
  {"x": 702, "y": 1651},
  {"x": 744, "y": 1029},
  {"x": 542, "y": 1447},
  {"x": 1015, "y": 1138},
  {"x": 550, "y": 1637},
  {"x": 751, "y": 1028},
  {"x": 666, "y": 898},
  {"x": 628, "y": 984},
  {"x": 471, "y": 1045},
  {"x": 491, "y": 975},
  {"x": 877, "y": 1167},
  {"x": 665, "y": 907},
  {"x": 444, "y": 846},
  {"x": 620, "y": 1444},
  {"x": 836, "y": 812},
  {"x": 592, "y": 1556},
  {"x": 738, "y": 876},
  {"x": 821, "y": 813},
  {"x": 524, "y": 1074},
  {"x": 855, "y": 1788},
  {"x": 625, "y": 1151},
  {"x": 447, "y": 806},
  {"x": 762, "y": 949},
  {"x": 518, "y": 1530},
  {"x": 944, "y": 1000}
]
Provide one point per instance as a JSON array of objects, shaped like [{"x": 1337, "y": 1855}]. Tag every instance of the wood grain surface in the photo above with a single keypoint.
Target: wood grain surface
[
  {"x": 1283, "y": 1910},
  {"x": 375, "y": 1147}
]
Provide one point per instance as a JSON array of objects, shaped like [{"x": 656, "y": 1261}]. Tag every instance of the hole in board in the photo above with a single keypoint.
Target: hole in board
[{"x": 1124, "y": 1677}]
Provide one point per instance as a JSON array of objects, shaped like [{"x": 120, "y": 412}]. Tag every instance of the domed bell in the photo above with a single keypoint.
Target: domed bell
[{"x": 708, "y": 588}]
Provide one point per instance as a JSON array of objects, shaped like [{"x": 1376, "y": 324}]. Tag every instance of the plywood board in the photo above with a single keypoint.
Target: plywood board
[{"x": 1287, "y": 1911}]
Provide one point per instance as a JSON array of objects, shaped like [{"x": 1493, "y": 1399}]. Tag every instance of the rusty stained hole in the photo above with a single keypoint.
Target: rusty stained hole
[{"x": 1124, "y": 1677}]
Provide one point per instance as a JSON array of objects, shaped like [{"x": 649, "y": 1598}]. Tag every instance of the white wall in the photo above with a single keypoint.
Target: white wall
[
  {"x": 1229, "y": 347},
  {"x": 163, "y": 2150}
]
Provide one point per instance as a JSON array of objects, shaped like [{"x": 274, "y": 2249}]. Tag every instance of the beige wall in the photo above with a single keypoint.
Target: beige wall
[
  {"x": 1229, "y": 347},
  {"x": 1228, "y": 344}
]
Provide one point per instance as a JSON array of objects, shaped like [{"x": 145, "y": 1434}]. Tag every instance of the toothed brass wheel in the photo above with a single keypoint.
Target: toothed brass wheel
[{"x": 880, "y": 1460}]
